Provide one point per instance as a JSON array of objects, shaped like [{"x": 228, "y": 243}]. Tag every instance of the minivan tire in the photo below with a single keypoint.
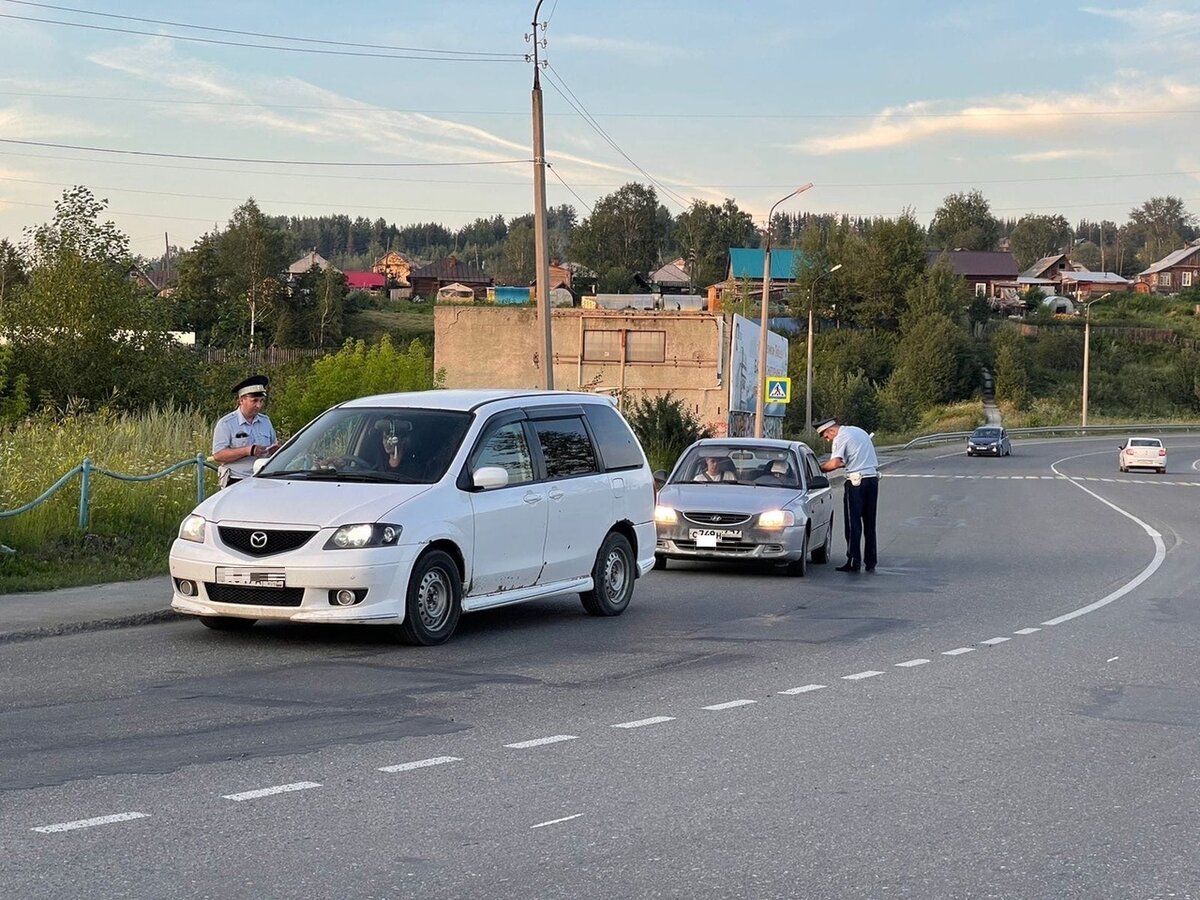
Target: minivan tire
[
  {"x": 433, "y": 603},
  {"x": 612, "y": 577},
  {"x": 227, "y": 623}
]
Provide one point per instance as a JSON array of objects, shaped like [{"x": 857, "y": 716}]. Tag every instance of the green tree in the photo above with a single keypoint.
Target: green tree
[
  {"x": 623, "y": 235},
  {"x": 665, "y": 427},
  {"x": 705, "y": 232},
  {"x": 964, "y": 221},
  {"x": 309, "y": 309},
  {"x": 933, "y": 364},
  {"x": 12, "y": 272},
  {"x": 1158, "y": 226},
  {"x": 881, "y": 267},
  {"x": 81, "y": 329},
  {"x": 1038, "y": 236},
  {"x": 940, "y": 291},
  {"x": 519, "y": 259}
]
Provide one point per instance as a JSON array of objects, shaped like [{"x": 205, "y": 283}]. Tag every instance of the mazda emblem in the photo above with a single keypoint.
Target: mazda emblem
[{"x": 258, "y": 540}]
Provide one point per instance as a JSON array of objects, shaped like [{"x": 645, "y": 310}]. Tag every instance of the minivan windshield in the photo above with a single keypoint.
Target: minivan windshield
[{"x": 377, "y": 444}]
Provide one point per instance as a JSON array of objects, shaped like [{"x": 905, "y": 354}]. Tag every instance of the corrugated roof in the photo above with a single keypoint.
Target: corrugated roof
[
  {"x": 978, "y": 263},
  {"x": 450, "y": 269},
  {"x": 746, "y": 262},
  {"x": 1039, "y": 268},
  {"x": 1173, "y": 259},
  {"x": 1095, "y": 278},
  {"x": 670, "y": 274}
]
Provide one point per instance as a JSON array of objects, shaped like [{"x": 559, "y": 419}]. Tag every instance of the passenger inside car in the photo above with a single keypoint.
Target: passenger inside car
[{"x": 714, "y": 468}]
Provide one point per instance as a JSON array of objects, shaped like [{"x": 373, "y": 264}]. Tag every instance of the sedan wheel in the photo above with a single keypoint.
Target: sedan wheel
[
  {"x": 821, "y": 555},
  {"x": 798, "y": 568}
]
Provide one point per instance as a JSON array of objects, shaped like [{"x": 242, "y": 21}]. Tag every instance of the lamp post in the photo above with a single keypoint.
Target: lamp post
[
  {"x": 760, "y": 402},
  {"x": 808, "y": 369},
  {"x": 1087, "y": 334}
]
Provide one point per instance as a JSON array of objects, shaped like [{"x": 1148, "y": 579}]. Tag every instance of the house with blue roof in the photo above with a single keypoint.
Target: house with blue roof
[{"x": 746, "y": 269}]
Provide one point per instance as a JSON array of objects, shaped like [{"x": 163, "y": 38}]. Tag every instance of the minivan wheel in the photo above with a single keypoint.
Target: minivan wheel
[
  {"x": 227, "y": 623},
  {"x": 433, "y": 603},
  {"x": 612, "y": 578},
  {"x": 821, "y": 555}
]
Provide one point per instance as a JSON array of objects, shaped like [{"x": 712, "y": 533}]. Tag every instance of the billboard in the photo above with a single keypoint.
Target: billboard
[{"x": 743, "y": 366}]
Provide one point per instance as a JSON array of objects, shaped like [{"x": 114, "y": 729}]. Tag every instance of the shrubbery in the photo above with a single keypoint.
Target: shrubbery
[{"x": 665, "y": 427}]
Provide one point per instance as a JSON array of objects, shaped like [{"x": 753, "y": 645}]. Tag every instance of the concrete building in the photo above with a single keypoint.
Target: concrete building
[{"x": 707, "y": 361}]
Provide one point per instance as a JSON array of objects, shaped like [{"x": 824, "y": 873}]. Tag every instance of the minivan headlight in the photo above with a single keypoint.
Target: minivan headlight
[
  {"x": 192, "y": 529},
  {"x": 664, "y": 515},
  {"x": 355, "y": 537},
  {"x": 776, "y": 518}
]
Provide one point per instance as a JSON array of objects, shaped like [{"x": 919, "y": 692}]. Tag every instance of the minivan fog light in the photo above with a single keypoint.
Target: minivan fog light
[
  {"x": 344, "y": 597},
  {"x": 187, "y": 588}
]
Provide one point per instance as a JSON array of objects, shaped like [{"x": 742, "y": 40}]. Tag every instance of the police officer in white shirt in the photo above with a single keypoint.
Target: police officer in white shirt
[
  {"x": 244, "y": 434},
  {"x": 853, "y": 450}
]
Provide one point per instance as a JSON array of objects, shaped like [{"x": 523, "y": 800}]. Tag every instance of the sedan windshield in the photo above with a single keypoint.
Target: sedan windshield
[
  {"x": 987, "y": 434},
  {"x": 737, "y": 464},
  {"x": 379, "y": 444}
]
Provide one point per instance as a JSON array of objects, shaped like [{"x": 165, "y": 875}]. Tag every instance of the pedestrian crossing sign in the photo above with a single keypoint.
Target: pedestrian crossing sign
[{"x": 779, "y": 389}]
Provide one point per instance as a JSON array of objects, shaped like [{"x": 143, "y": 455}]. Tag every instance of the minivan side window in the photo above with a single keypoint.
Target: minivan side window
[
  {"x": 505, "y": 446},
  {"x": 618, "y": 447},
  {"x": 566, "y": 447}
]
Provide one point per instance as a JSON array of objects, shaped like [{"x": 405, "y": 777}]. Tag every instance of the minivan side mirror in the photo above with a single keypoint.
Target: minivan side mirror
[
  {"x": 489, "y": 477},
  {"x": 818, "y": 481},
  {"x": 260, "y": 462}
]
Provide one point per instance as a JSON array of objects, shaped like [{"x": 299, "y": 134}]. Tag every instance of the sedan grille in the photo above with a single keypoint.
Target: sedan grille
[
  {"x": 263, "y": 541},
  {"x": 723, "y": 520},
  {"x": 253, "y": 596}
]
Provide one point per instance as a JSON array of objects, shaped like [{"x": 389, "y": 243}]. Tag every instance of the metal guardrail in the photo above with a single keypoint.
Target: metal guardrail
[
  {"x": 1079, "y": 430},
  {"x": 87, "y": 469}
]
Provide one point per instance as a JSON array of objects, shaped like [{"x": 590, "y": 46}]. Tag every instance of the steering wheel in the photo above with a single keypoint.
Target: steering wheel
[{"x": 346, "y": 461}]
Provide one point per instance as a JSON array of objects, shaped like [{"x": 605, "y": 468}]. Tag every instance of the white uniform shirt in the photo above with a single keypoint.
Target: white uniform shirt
[
  {"x": 853, "y": 446},
  {"x": 233, "y": 430}
]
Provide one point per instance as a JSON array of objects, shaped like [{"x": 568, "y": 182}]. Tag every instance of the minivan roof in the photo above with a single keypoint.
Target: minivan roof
[{"x": 468, "y": 400}]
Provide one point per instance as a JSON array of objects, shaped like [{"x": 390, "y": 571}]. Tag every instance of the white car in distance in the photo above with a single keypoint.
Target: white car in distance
[
  {"x": 1142, "y": 453},
  {"x": 410, "y": 509}
]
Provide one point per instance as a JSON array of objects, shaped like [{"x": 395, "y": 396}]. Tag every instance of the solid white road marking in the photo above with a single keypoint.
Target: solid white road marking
[
  {"x": 912, "y": 662},
  {"x": 1026, "y": 630},
  {"x": 859, "y": 676},
  {"x": 641, "y": 723},
  {"x": 555, "y": 821},
  {"x": 731, "y": 704},
  {"x": 267, "y": 792},
  {"x": 1112, "y": 659},
  {"x": 992, "y": 642},
  {"x": 959, "y": 652},
  {"x": 803, "y": 689},
  {"x": 89, "y": 823},
  {"x": 420, "y": 764},
  {"x": 538, "y": 742}
]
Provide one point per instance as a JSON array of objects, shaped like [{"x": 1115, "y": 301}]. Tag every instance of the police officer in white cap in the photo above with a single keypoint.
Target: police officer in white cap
[
  {"x": 244, "y": 434},
  {"x": 853, "y": 450}
]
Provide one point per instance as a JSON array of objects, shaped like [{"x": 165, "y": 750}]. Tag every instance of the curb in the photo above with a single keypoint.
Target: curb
[{"x": 33, "y": 634}]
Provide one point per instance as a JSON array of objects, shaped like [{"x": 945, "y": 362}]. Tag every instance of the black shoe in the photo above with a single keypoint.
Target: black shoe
[
  {"x": 870, "y": 568},
  {"x": 848, "y": 567}
]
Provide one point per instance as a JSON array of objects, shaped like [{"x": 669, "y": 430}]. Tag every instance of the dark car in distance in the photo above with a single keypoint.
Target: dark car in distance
[{"x": 989, "y": 440}]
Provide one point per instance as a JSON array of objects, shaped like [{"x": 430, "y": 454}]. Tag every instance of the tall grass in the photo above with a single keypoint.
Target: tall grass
[{"x": 131, "y": 523}]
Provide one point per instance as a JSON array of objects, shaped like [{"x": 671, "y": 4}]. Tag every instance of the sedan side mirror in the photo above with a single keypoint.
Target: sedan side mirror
[
  {"x": 661, "y": 476},
  {"x": 818, "y": 481},
  {"x": 489, "y": 477}
]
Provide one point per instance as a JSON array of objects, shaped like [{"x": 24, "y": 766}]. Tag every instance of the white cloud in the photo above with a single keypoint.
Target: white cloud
[
  {"x": 19, "y": 122},
  {"x": 1153, "y": 18},
  {"x": 1126, "y": 101},
  {"x": 637, "y": 51},
  {"x": 1064, "y": 153}
]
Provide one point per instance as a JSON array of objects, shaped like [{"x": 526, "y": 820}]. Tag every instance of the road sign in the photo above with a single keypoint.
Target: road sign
[{"x": 779, "y": 389}]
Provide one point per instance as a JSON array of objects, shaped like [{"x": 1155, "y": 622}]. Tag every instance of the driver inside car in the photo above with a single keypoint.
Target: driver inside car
[{"x": 714, "y": 471}]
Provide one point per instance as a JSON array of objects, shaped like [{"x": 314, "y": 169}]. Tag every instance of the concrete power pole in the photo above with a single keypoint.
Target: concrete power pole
[{"x": 540, "y": 240}]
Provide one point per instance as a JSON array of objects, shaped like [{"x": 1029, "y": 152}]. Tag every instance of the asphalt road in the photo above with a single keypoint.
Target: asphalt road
[{"x": 1008, "y": 707}]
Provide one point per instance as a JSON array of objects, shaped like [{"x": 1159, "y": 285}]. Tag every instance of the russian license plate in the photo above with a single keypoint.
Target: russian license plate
[
  {"x": 268, "y": 578},
  {"x": 707, "y": 537}
]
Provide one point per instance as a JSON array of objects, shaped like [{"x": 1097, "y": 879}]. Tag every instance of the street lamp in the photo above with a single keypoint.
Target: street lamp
[
  {"x": 760, "y": 403},
  {"x": 1087, "y": 333},
  {"x": 808, "y": 382}
]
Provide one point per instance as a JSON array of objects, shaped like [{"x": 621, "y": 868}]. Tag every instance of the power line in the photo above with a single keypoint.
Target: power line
[
  {"x": 114, "y": 212},
  {"x": 272, "y": 162},
  {"x": 574, "y": 103},
  {"x": 258, "y": 34},
  {"x": 429, "y": 57},
  {"x": 582, "y": 202}
]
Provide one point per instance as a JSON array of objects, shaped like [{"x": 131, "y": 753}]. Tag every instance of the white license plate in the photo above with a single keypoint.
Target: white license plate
[
  {"x": 269, "y": 578},
  {"x": 707, "y": 537}
]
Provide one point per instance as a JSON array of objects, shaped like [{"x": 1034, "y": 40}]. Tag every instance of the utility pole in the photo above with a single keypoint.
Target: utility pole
[{"x": 540, "y": 240}]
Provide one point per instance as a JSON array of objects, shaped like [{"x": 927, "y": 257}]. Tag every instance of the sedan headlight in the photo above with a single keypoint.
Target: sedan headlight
[
  {"x": 774, "y": 519},
  {"x": 356, "y": 537},
  {"x": 664, "y": 515},
  {"x": 192, "y": 529}
]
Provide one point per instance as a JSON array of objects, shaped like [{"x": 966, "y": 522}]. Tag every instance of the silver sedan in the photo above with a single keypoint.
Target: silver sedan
[{"x": 748, "y": 499}]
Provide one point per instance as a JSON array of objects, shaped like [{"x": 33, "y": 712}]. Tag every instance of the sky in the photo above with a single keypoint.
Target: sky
[{"x": 420, "y": 112}]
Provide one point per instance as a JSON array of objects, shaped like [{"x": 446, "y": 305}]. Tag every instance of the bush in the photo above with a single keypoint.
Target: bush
[{"x": 665, "y": 427}]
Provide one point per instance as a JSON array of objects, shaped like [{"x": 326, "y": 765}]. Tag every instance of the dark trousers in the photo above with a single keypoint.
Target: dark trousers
[{"x": 859, "y": 505}]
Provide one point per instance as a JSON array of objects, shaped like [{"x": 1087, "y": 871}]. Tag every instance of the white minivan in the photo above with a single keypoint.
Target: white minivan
[{"x": 411, "y": 509}]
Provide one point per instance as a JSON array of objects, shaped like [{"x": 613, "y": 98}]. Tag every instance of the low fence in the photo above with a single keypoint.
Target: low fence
[
  {"x": 86, "y": 469},
  {"x": 1078, "y": 430},
  {"x": 264, "y": 356}
]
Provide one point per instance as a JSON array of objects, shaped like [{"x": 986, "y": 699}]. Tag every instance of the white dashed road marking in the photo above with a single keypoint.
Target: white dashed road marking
[
  {"x": 420, "y": 764},
  {"x": 859, "y": 676},
  {"x": 1026, "y": 630},
  {"x": 992, "y": 642},
  {"x": 731, "y": 704},
  {"x": 89, "y": 823},
  {"x": 539, "y": 742},
  {"x": 803, "y": 689},
  {"x": 555, "y": 821},
  {"x": 267, "y": 792},
  {"x": 912, "y": 662},
  {"x": 641, "y": 723},
  {"x": 959, "y": 652}
]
